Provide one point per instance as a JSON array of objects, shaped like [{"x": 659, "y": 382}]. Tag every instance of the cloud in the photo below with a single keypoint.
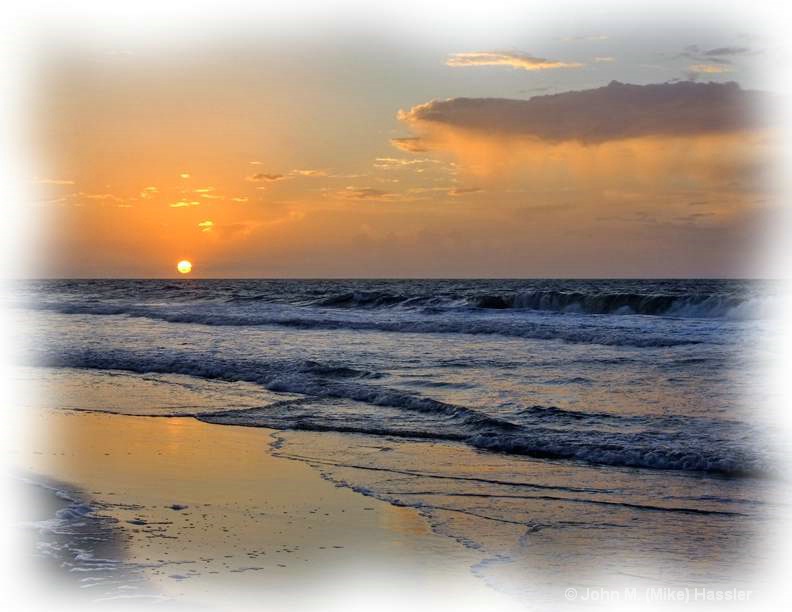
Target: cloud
[
  {"x": 149, "y": 192},
  {"x": 411, "y": 144},
  {"x": 615, "y": 112},
  {"x": 708, "y": 68},
  {"x": 533, "y": 90},
  {"x": 586, "y": 37},
  {"x": 363, "y": 193},
  {"x": 101, "y": 196},
  {"x": 516, "y": 60},
  {"x": 718, "y": 55},
  {"x": 184, "y": 204},
  {"x": 727, "y": 51},
  {"x": 460, "y": 191},
  {"x": 206, "y": 226},
  {"x": 309, "y": 172},
  {"x": 394, "y": 163},
  {"x": 604, "y": 59},
  {"x": 695, "y": 71},
  {"x": 48, "y": 181},
  {"x": 270, "y": 178},
  {"x": 232, "y": 231}
]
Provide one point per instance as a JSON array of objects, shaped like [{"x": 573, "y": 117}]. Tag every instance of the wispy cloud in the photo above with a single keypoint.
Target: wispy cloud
[
  {"x": 270, "y": 178},
  {"x": 277, "y": 176},
  {"x": 101, "y": 196},
  {"x": 363, "y": 193},
  {"x": 309, "y": 172},
  {"x": 411, "y": 144},
  {"x": 708, "y": 68},
  {"x": 206, "y": 226},
  {"x": 460, "y": 191},
  {"x": 514, "y": 59},
  {"x": 535, "y": 90},
  {"x": 395, "y": 163},
  {"x": 605, "y": 58},
  {"x": 239, "y": 230},
  {"x": 585, "y": 37},
  {"x": 717, "y": 55},
  {"x": 184, "y": 204},
  {"x": 48, "y": 181},
  {"x": 727, "y": 51}
]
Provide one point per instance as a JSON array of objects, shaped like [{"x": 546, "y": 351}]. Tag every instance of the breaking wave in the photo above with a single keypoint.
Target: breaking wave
[
  {"x": 543, "y": 432},
  {"x": 695, "y": 306}
]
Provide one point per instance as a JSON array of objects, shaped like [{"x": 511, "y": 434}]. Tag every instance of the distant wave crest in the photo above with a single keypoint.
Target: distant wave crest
[
  {"x": 286, "y": 316},
  {"x": 699, "y": 305},
  {"x": 695, "y": 305}
]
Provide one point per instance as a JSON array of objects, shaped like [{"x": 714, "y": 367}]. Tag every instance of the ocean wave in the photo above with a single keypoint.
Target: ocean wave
[
  {"x": 288, "y": 376},
  {"x": 674, "y": 298},
  {"x": 544, "y": 432},
  {"x": 370, "y": 299},
  {"x": 656, "y": 450},
  {"x": 453, "y": 324},
  {"x": 696, "y": 306},
  {"x": 653, "y": 450}
]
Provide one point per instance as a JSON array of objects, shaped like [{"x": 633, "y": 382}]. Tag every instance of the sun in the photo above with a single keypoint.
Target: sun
[{"x": 184, "y": 266}]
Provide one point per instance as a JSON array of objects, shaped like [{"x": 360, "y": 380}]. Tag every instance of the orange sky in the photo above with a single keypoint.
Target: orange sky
[{"x": 274, "y": 158}]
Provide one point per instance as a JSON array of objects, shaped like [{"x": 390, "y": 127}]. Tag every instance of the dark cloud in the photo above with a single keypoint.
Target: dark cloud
[
  {"x": 614, "y": 112},
  {"x": 718, "y": 55},
  {"x": 728, "y": 51}
]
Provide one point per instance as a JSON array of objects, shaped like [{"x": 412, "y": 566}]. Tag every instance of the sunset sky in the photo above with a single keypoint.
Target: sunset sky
[{"x": 542, "y": 146}]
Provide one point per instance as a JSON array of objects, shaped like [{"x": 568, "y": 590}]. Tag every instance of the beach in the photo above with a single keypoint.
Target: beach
[
  {"x": 503, "y": 441},
  {"x": 206, "y": 515}
]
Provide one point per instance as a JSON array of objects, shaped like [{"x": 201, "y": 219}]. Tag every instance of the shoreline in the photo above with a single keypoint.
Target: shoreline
[
  {"x": 200, "y": 508},
  {"x": 75, "y": 546}
]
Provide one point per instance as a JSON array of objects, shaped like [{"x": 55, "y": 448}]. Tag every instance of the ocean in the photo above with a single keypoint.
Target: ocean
[{"x": 565, "y": 429}]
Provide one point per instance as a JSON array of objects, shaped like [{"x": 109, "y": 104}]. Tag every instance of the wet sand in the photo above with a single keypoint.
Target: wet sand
[{"x": 210, "y": 517}]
